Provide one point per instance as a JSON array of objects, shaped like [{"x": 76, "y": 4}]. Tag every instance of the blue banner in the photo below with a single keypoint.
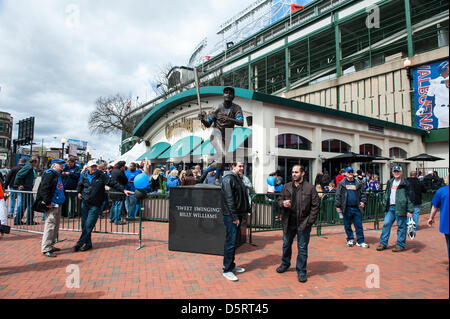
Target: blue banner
[{"x": 431, "y": 95}]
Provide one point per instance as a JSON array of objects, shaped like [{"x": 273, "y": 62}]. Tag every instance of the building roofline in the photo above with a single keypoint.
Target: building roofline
[{"x": 161, "y": 109}]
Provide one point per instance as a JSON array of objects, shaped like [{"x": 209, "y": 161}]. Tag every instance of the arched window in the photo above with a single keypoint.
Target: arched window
[
  {"x": 294, "y": 142},
  {"x": 369, "y": 149},
  {"x": 335, "y": 146},
  {"x": 397, "y": 152}
]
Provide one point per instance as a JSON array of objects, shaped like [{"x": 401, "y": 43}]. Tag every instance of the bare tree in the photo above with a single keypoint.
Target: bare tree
[
  {"x": 112, "y": 115},
  {"x": 161, "y": 82}
]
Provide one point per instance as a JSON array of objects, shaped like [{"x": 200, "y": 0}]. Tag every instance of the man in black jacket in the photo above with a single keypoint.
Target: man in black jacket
[
  {"x": 417, "y": 188},
  {"x": 118, "y": 174},
  {"x": 91, "y": 190},
  {"x": 51, "y": 193},
  {"x": 301, "y": 204},
  {"x": 236, "y": 205},
  {"x": 9, "y": 181},
  {"x": 70, "y": 176}
]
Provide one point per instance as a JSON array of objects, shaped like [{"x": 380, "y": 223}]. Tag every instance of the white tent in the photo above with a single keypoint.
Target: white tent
[{"x": 132, "y": 155}]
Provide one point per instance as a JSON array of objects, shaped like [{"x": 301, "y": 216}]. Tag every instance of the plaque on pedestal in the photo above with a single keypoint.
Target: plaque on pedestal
[{"x": 195, "y": 220}]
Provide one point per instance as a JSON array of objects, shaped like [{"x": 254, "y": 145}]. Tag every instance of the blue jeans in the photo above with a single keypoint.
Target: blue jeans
[
  {"x": 416, "y": 214},
  {"x": 389, "y": 219},
  {"x": 232, "y": 234},
  {"x": 116, "y": 211},
  {"x": 131, "y": 204},
  {"x": 353, "y": 215},
  {"x": 302, "y": 245},
  {"x": 89, "y": 216},
  {"x": 24, "y": 201},
  {"x": 12, "y": 202}
]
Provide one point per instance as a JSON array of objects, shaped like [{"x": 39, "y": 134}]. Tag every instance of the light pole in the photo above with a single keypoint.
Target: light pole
[
  {"x": 87, "y": 155},
  {"x": 63, "y": 142}
]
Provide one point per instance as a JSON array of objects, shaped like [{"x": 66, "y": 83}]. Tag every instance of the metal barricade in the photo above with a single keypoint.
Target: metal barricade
[{"x": 21, "y": 216}]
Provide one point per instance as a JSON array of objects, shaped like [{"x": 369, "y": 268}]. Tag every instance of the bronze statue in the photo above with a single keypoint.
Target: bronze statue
[{"x": 222, "y": 117}]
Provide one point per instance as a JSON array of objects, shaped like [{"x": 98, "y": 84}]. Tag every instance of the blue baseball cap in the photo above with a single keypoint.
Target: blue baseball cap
[
  {"x": 348, "y": 169},
  {"x": 441, "y": 68},
  {"x": 57, "y": 161},
  {"x": 397, "y": 168}
]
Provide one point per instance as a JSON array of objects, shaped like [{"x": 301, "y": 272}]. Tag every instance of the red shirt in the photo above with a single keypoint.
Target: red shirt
[
  {"x": 1, "y": 193},
  {"x": 339, "y": 178}
]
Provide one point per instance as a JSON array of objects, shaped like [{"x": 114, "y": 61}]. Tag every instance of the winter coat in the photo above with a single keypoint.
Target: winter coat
[
  {"x": 25, "y": 177},
  {"x": 403, "y": 203}
]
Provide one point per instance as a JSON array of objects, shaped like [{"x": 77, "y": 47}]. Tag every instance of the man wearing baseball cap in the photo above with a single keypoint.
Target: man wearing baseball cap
[
  {"x": 50, "y": 196},
  {"x": 350, "y": 201},
  {"x": 91, "y": 192},
  {"x": 398, "y": 207},
  {"x": 222, "y": 118}
]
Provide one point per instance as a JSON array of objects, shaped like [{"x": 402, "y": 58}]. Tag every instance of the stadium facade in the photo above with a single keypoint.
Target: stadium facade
[{"x": 328, "y": 79}]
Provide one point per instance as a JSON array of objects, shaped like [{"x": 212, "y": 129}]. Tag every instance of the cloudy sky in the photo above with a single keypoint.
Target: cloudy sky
[{"x": 57, "y": 57}]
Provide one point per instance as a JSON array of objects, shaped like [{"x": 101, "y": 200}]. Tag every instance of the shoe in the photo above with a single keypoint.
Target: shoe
[
  {"x": 239, "y": 269},
  {"x": 230, "y": 276},
  {"x": 350, "y": 243},
  {"x": 76, "y": 248},
  {"x": 50, "y": 254},
  {"x": 397, "y": 249},
  {"x": 120, "y": 223},
  {"x": 85, "y": 248},
  {"x": 282, "y": 269},
  {"x": 381, "y": 247},
  {"x": 363, "y": 245},
  {"x": 55, "y": 249},
  {"x": 302, "y": 278}
]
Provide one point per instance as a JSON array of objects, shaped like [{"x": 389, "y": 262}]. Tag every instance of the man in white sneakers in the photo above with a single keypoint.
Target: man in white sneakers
[{"x": 350, "y": 200}]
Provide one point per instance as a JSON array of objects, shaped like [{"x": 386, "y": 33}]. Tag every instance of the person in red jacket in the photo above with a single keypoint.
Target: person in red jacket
[{"x": 340, "y": 176}]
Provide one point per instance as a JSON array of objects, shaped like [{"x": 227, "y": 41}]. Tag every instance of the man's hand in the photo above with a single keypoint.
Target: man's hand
[
  {"x": 50, "y": 205},
  {"x": 128, "y": 193},
  {"x": 287, "y": 203},
  {"x": 236, "y": 222},
  {"x": 362, "y": 204},
  {"x": 430, "y": 222},
  {"x": 79, "y": 196},
  {"x": 21, "y": 187}
]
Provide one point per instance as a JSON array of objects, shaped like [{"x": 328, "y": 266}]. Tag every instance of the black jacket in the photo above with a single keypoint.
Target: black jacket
[
  {"x": 307, "y": 205},
  {"x": 9, "y": 180},
  {"x": 71, "y": 181},
  {"x": 94, "y": 193},
  {"x": 341, "y": 195},
  {"x": 47, "y": 187},
  {"x": 234, "y": 195},
  {"x": 417, "y": 188},
  {"x": 119, "y": 176}
]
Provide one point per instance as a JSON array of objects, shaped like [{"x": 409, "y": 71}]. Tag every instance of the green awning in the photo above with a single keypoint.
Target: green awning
[
  {"x": 154, "y": 151},
  {"x": 182, "y": 148},
  {"x": 240, "y": 134},
  {"x": 205, "y": 149}
]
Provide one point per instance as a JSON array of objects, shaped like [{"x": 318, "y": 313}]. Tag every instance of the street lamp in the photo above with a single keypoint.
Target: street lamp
[
  {"x": 407, "y": 64},
  {"x": 63, "y": 142},
  {"x": 87, "y": 154}
]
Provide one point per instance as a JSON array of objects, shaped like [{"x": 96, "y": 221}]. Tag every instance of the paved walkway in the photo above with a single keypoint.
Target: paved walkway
[{"x": 115, "y": 269}]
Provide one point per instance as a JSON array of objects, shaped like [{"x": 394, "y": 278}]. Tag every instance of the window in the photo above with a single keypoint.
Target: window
[
  {"x": 397, "y": 152},
  {"x": 335, "y": 146},
  {"x": 294, "y": 142},
  {"x": 369, "y": 149}
]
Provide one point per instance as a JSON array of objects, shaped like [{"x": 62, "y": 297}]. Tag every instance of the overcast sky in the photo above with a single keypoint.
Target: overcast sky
[{"x": 57, "y": 57}]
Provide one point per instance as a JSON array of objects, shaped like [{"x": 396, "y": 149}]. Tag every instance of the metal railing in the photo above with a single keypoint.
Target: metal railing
[{"x": 21, "y": 216}]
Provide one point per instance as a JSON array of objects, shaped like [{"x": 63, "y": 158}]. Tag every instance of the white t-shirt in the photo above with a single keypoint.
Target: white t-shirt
[
  {"x": 439, "y": 90},
  {"x": 394, "y": 191}
]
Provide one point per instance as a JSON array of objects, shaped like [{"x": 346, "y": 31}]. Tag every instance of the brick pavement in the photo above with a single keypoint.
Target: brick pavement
[{"x": 115, "y": 269}]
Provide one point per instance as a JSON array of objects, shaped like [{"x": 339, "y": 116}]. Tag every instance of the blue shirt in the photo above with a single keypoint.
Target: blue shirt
[
  {"x": 131, "y": 176},
  {"x": 58, "y": 196},
  {"x": 440, "y": 200},
  {"x": 352, "y": 200}
]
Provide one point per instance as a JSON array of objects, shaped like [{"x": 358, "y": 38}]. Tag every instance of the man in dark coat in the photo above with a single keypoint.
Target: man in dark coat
[
  {"x": 118, "y": 174},
  {"x": 70, "y": 176},
  {"x": 91, "y": 191},
  {"x": 24, "y": 181},
  {"x": 417, "y": 189},
  {"x": 301, "y": 204}
]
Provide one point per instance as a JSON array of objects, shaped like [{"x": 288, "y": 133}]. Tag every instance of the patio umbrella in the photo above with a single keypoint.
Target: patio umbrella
[
  {"x": 424, "y": 158},
  {"x": 381, "y": 158},
  {"x": 351, "y": 157}
]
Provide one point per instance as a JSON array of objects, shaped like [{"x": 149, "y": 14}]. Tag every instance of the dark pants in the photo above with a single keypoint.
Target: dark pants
[
  {"x": 302, "y": 244},
  {"x": 24, "y": 201},
  {"x": 89, "y": 216},
  {"x": 232, "y": 235},
  {"x": 69, "y": 205},
  {"x": 353, "y": 215}
]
